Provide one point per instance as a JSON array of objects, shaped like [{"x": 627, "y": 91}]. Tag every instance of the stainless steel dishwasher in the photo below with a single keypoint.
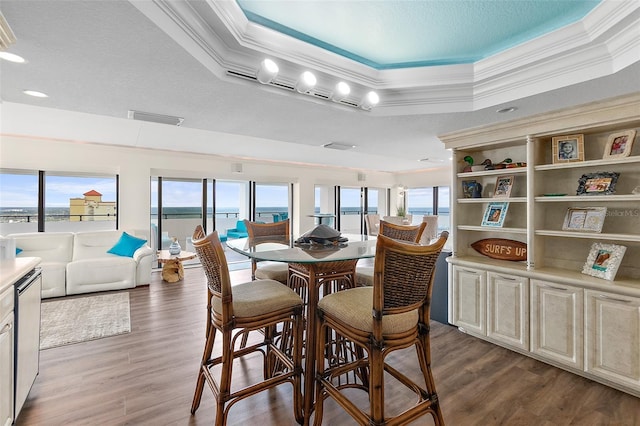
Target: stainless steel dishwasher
[{"x": 27, "y": 335}]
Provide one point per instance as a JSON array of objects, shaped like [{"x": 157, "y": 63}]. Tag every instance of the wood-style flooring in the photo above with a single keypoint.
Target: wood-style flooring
[{"x": 147, "y": 377}]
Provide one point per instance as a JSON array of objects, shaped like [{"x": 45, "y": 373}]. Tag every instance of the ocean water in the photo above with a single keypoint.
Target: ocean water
[{"x": 62, "y": 213}]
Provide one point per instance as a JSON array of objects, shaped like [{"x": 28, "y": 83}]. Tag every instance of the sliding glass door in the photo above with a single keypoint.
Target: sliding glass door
[
  {"x": 350, "y": 220},
  {"x": 272, "y": 202}
]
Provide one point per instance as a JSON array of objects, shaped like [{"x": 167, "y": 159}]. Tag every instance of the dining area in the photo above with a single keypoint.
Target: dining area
[{"x": 313, "y": 325}]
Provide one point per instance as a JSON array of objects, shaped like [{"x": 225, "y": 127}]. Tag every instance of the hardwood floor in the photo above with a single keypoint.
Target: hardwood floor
[{"x": 147, "y": 377}]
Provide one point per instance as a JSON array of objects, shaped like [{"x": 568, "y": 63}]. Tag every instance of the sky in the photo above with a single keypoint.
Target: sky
[
  {"x": 21, "y": 190},
  {"x": 17, "y": 190}
]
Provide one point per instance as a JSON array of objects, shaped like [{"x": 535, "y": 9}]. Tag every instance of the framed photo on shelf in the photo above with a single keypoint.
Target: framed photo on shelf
[
  {"x": 588, "y": 219},
  {"x": 494, "y": 214},
  {"x": 468, "y": 187},
  {"x": 619, "y": 144},
  {"x": 599, "y": 183},
  {"x": 604, "y": 260},
  {"x": 504, "y": 185},
  {"x": 567, "y": 149}
]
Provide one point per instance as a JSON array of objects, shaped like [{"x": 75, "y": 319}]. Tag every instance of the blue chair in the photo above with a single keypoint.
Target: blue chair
[{"x": 240, "y": 231}]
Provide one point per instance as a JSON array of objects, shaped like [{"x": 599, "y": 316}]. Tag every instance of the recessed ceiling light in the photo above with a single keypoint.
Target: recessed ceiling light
[
  {"x": 505, "y": 110},
  {"x": 35, "y": 93},
  {"x": 12, "y": 57}
]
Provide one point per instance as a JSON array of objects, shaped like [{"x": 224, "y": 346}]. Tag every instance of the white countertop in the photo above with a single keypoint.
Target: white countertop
[{"x": 12, "y": 270}]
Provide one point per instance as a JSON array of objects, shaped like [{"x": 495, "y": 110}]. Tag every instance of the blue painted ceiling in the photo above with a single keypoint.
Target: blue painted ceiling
[{"x": 389, "y": 34}]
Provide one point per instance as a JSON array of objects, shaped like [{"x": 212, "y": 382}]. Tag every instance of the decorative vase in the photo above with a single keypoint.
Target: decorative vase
[{"x": 175, "y": 248}]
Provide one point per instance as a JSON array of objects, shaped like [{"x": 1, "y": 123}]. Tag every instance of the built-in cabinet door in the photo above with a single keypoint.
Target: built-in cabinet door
[
  {"x": 557, "y": 322},
  {"x": 612, "y": 337},
  {"x": 6, "y": 369},
  {"x": 469, "y": 290},
  {"x": 508, "y": 309}
]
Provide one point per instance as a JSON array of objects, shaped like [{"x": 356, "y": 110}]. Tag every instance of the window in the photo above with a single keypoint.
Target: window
[
  {"x": 18, "y": 201},
  {"x": 420, "y": 202},
  {"x": 272, "y": 202},
  {"x": 430, "y": 201},
  {"x": 351, "y": 215},
  {"x": 72, "y": 202},
  {"x": 443, "y": 210},
  {"x": 232, "y": 204},
  {"x": 181, "y": 209}
]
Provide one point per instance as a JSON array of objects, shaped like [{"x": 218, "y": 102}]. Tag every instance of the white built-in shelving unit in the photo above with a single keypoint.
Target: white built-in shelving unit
[{"x": 545, "y": 306}]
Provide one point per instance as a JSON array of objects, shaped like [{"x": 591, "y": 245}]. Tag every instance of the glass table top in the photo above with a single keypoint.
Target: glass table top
[{"x": 278, "y": 249}]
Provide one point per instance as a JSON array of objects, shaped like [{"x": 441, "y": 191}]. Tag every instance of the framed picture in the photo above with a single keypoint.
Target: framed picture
[
  {"x": 589, "y": 219},
  {"x": 504, "y": 185},
  {"x": 494, "y": 214},
  {"x": 468, "y": 187},
  {"x": 567, "y": 149},
  {"x": 619, "y": 144},
  {"x": 600, "y": 183},
  {"x": 604, "y": 260}
]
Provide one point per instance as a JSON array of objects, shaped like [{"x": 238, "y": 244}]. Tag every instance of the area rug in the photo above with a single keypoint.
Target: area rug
[{"x": 74, "y": 320}]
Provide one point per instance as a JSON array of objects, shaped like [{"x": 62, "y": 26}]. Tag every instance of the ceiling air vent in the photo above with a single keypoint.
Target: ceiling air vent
[
  {"x": 338, "y": 146},
  {"x": 155, "y": 118},
  {"x": 241, "y": 75}
]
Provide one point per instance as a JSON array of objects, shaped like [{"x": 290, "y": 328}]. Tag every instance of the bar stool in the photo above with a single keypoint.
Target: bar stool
[
  {"x": 270, "y": 270},
  {"x": 390, "y": 315},
  {"x": 364, "y": 274},
  {"x": 254, "y": 305}
]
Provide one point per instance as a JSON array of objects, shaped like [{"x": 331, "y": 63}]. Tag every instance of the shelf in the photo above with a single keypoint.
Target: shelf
[
  {"x": 515, "y": 170},
  {"x": 492, "y": 200},
  {"x": 588, "y": 198},
  {"x": 588, "y": 235},
  {"x": 589, "y": 163},
  {"x": 492, "y": 229}
]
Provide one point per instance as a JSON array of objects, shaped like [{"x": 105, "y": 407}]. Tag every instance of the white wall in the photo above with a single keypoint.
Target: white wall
[
  {"x": 136, "y": 165},
  {"x": 35, "y": 138}
]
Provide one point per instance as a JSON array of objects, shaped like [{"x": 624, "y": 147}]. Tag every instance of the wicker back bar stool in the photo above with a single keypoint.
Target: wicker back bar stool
[
  {"x": 254, "y": 305},
  {"x": 413, "y": 233},
  {"x": 270, "y": 270},
  {"x": 392, "y": 314}
]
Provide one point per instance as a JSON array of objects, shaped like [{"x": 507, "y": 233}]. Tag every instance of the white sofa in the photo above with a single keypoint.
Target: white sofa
[{"x": 78, "y": 262}]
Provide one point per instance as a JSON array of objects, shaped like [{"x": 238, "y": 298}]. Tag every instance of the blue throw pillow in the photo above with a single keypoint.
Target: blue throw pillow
[
  {"x": 18, "y": 251},
  {"x": 127, "y": 245}
]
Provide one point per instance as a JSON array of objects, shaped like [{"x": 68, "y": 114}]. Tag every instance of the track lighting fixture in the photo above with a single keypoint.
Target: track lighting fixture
[
  {"x": 306, "y": 82},
  {"x": 267, "y": 72},
  {"x": 340, "y": 92},
  {"x": 370, "y": 100}
]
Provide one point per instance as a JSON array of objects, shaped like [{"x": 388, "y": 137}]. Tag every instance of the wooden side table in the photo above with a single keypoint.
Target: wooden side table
[{"x": 172, "y": 269}]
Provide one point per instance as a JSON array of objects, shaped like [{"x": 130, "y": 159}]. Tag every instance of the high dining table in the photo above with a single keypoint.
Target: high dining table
[{"x": 313, "y": 269}]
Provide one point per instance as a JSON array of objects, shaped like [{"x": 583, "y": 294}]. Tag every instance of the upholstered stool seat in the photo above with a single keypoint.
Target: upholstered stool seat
[
  {"x": 259, "y": 297},
  {"x": 354, "y": 307},
  {"x": 273, "y": 271},
  {"x": 364, "y": 276}
]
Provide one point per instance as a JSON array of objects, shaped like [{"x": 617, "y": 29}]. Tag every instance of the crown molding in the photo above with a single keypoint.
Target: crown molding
[{"x": 217, "y": 33}]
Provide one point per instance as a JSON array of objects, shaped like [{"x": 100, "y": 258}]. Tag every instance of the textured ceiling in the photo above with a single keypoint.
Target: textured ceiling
[
  {"x": 105, "y": 57},
  {"x": 388, "y": 34}
]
